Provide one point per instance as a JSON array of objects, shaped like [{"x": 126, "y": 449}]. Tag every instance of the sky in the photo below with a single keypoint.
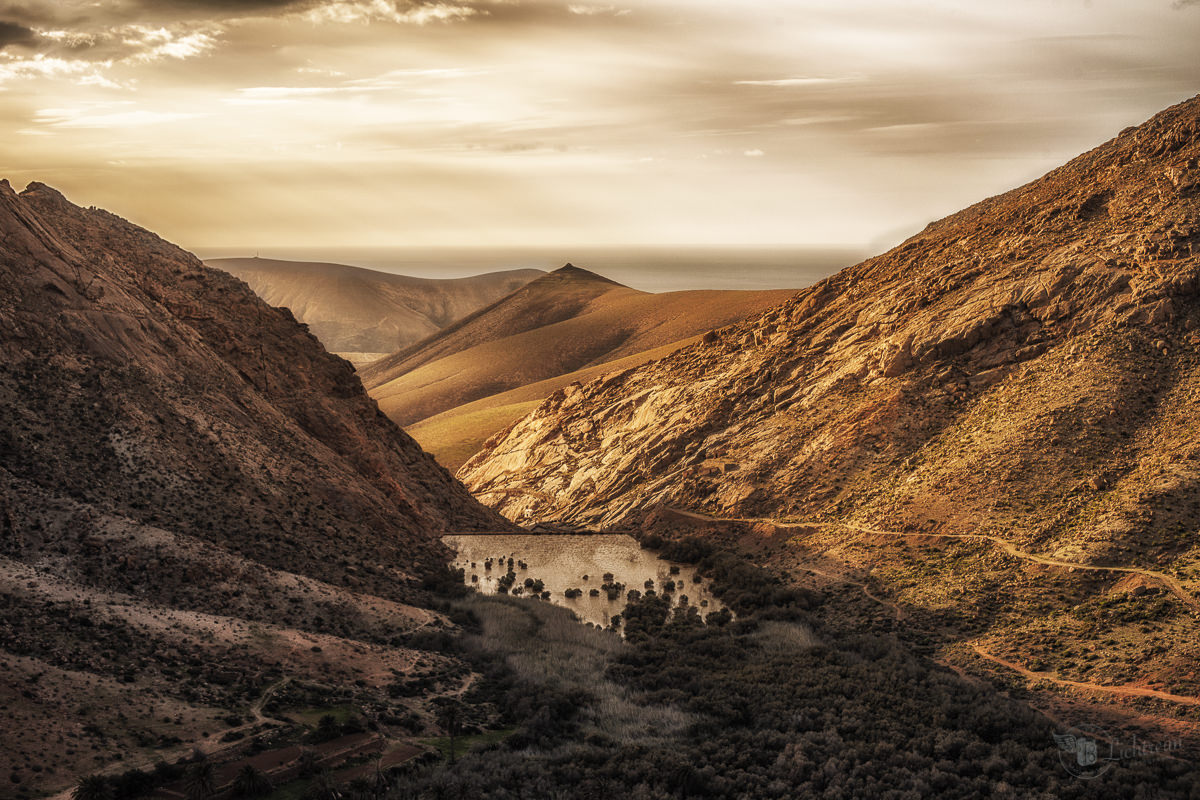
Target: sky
[{"x": 379, "y": 123}]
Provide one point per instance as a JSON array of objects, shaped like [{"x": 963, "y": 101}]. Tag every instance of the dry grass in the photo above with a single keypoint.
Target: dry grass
[
  {"x": 546, "y": 645},
  {"x": 784, "y": 638}
]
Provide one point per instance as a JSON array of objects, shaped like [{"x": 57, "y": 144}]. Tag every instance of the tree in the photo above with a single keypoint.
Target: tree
[
  {"x": 360, "y": 789},
  {"x": 323, "y": 788},
  {"x": 308, "y": 762},
  {"x": 327, "y": 728},
  {"x": 450, "y": 718},
  {"x": 200, "y": 781},
  {"x": 379, "y": 781},
  {"x": 252, "y": 782},
  {"x": 92, "y": 787}
]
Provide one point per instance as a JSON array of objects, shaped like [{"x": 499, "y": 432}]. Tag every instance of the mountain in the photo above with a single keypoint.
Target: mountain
[
  {"x": 993, "y": 423},
  {"x": 364, "y": 313},
  {"x": 461, "y": 385},
  {"x": 197, "y": 502}
]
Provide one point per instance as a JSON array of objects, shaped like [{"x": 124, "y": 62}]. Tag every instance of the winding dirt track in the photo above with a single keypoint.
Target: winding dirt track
[
  {"x": 1125, "y": 691},
  {"x": 899, "y": 612},
  {"x": 1171, "y": 584},
  {"x": 257, "y": 707}
]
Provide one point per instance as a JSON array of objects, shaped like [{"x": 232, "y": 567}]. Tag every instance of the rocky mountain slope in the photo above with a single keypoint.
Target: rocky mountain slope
[
  {"x": 530, "y": 343},
  {"x": 1026, "y": 369},
  {"x": 196, "y": 500},
  {"x": 361, "y": 311},
  {"x": 1016, "y": 341}
]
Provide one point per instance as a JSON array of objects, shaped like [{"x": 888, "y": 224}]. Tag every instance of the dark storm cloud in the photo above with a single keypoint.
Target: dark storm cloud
[{"x": 12, "y": 33}]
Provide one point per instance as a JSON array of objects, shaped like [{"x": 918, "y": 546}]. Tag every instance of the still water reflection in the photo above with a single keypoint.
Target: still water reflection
[{"x": 604, "y": 568}]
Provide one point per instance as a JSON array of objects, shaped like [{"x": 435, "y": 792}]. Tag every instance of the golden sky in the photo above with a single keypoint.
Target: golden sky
[{"x": 318, "y": 123}]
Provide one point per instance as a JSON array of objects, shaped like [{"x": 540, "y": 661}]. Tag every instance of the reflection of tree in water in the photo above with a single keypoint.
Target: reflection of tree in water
[{"x": 570, "y": 567}]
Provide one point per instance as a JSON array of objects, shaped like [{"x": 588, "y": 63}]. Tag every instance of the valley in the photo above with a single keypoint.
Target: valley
[
  {"x": 570, "y": 400},
  {"x": 901, "y": 533}
]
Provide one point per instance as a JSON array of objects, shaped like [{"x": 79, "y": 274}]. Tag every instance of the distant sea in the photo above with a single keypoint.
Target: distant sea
[{"x": 651, "y": 269}]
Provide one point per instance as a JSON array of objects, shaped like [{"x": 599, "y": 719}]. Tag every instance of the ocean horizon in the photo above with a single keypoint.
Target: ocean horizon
[{"x": 651, "y": 269}]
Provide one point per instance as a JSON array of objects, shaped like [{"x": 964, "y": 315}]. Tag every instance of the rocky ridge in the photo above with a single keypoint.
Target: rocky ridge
[{"x": 197, "y": 501}]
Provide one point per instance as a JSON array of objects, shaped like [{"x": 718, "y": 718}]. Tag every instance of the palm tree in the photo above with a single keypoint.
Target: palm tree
[
  {"x": 252, "y": 782},
  {"x": 323, "y": 787},
  {"x": 360, "y": 789},
  {"x": 449, "y": 716},
  {"x": 201, "y": 781},
  {"x": 327, "y": 729},
  {"x": 379, "y": 781},
  {"x": 92, "y": 787},
  {"x": 308, "y": 762}
]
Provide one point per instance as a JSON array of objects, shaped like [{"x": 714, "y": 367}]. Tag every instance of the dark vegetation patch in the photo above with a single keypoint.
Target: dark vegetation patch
[{"x": 759, "y": 706}]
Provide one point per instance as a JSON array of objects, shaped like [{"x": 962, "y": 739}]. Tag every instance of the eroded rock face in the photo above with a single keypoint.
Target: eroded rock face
[
  {"x": 984, "y": 371},
  {"x": 137, "y": 381}
]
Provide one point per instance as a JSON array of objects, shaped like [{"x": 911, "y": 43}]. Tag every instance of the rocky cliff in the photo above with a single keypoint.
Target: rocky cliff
[{"x": 1030, "y": 362}]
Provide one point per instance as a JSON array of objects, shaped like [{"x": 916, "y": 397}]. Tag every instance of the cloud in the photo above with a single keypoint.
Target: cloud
[
  {"x": 349, "y": 11},
  {"x": 12, "y": 33},
  {"x": 84, "y": 15},
  {"x": 794, "y": 82},
  {"x": 275, "y": 95},
  {"x": 228, "y": 7},
  {"x": 85, "y": 118},
  {"x": 44, "y": 67},
  {"x": 595, "y": 11},
  {"x": 767, "y": 110},
  {"x": 155, "y": 44},
  {"x": 146, "y": 31},
  {"x": 98, "y": 80}
]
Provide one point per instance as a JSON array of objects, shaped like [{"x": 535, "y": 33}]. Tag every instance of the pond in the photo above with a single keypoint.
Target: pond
[{"x": 604, "y": 568}]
